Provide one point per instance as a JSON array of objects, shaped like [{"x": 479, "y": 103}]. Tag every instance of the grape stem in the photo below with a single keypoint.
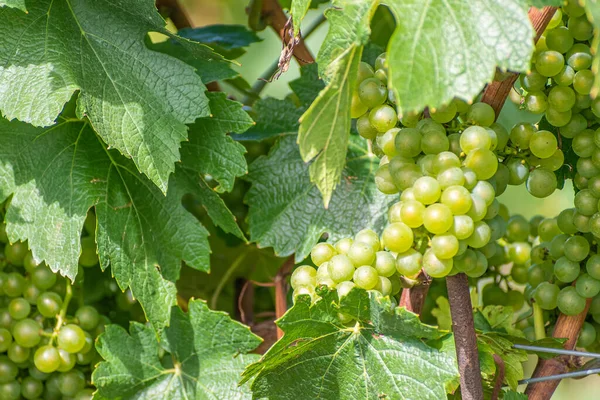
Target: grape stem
[
  {"x": 500, "y": 372},
  {"x": 413, "y": 298},
  {"x": 538, "y": 322},
  {"x": 465, "y": 337},
  {"x": 60, "y": 318}
]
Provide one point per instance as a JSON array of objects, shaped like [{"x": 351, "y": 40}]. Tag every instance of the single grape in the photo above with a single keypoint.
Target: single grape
[
  {"x": 558, "y": 118},
  {"x": 89, "y": 317},
  {"x": 26, "y": 333},
  {"x": 368, "y": 236},
  {"x": 18, "y": 354},
  {"x": 485, "y": 190},
  {"x": 458, "y": 199},
  {"x": 592, "y": 266},
  {"x": 408, "y": 142},
  {"x": 67, "y": 360},
  {"x": 366, "y": 277},
  {"x": 69, "y": 383},
  {"x": 42, "y": 277},
  {"x": 587, "y": 336},
  {"x": 583, "y": 82},
  {"x": 361, "y": 254},
  {"x": 365, "y": 71},
  {"x": 577, "y": 248},
  {"x": 587, "y": 286},
  {"x": 435, "y": 267},
  {"x": 383, "y": 118},
  {"x": 31, "y": 388},
  {"x": 483, "y": 162},
  {"x": 385, "y": 264},
  {"x": 519, "y": 252},
  {"x": 411, "y": 213},
  {"x": 321, "y": 253},
  {"x": 543, "y": 144},
  {"x": 384, "y": 286},
  {"x": 343, "y": 288},
  {"x": 569, "y": 302},
  {"x": 5, "y": 339},
  {"x": 15, "y": 253},
  {"x": 13, "y": 284},
  {"x": 444, "y": 114},
  {"x": 549, "y": 63},
  {"x": 444, "y": 246},
  {"x": 475, "y": 137},
  {"x": 565, "y": 76},
  {"x": 10, "y": 390},
  {"x": 478, "y": 208},
  {"x": 19, "y": 308},
  {"x": 481, "y": 114},
  {"x": 398, "y": 237},
  {"x": 519, "y": 274},
  {"x": 340, "y": 268},
  {"x": 580, "y": 28},
  {"x": 579, "y": 57},
  {"x": 357, "y": 108},
  {"x": 536, "y": 102},
  {"x": 49, "y": 304},
  {"x": 586, "y": 203},
  {"x": 480, "y": 268},
  {"x": 365, "y": 129},
  {"x": 481, "y": 235},
  {"x": 372, "y": 92},
  {"x": 559, "y": 39},
  {"x": 409, "y": 263},
  {"x": 566, "y": 270},
  {"x": 437, "y": 219},
  {"x": 546, "y": 295},
  {"x": 453, "y": 176},
  {"x": 541, "y": 182}
]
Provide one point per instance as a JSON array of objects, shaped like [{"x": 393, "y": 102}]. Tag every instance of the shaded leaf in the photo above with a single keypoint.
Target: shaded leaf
[
  {"x": 286, "y": 210},
  {"x": 298, "y": 10},
  {"x": 20, "y": 4},
  {"x": 206, "y": 348},
  {"x": 273, "y": 117}
]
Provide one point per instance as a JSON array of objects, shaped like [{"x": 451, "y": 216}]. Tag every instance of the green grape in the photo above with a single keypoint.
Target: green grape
[
  {"x": 365, "y": 129},
  {"x": 581, "y": 222},
  {"x": 31, "y": 388},
  {"x": 18, "y": 354},
  {"x": 543, "y": 144},
  {"x": 534, "y": 223},
  {"x": 8, "y": 370},
  {"x": 537, "y": 273},
  {"x": 444, "y": 114},
  {"x": 304, "y": 290},
  {"x": 502, "y": 177},
  {"x": 319, "y": 254},
  {"x": 577, "y": 248},
  {"x": 536, "y": 102},
  {"x": 478, "y": 208},
  {"x": 493, "y": 295},
  {"x": 381, "y": 61},
  {"x": 541, "y": 182},
  {"x": 365, "y": 71},
  {"x": 394, "y": 212},
  {"x": 481, "y": 235},
  {"x": 558, "y": 118},
  {"x": 398, "y": 237},
  {"x": 453, "y": 176},
  {"x": 343, "y": 288},
  {"x": 565, "y": 76},
  {"x": 361, "y": 254},
  {"x": 437, "y": 219},
  {"x": 426, "y": 190},
  {"x": 69, "y": 383},
  {"x": 595, "y": 108},
  {"x": 411, "y": 213},
  {"x": 594, "y": 185},
  {"x": 573, "y": 9},
  {"x": 462, "y": 227},
  {"x": 569, "y": 302},
  {"x": 10, "y": 390},
  {"x": 475, "y": 137},
  {"x": 370, "y": 237},
  {"x": 372, "y": 92},
  {"x": 26, "y": 333},
  {"x": 565, "y": 221},
  {"x": 586, "y": 168},
  {"x": 435, "y": 267},
  {"x": 386, "y": 142},
  {"x": 411, "y": 119},
  {"x": 404, "y": 175},
  {"x": 583, "y": 143},
  {"x": 49, "y": 304},
  {"x": 15, "y": 253},
  {"x": 385, "y": 264},
  {"x": 481, "y": 114},
  {"x": 470, "y": 178},
  {"x": 546, "y": 295},
  {"x": 587, "y": 286},
  {"x": 518, "y": 171},
  {"x": 67, "y": 360},
  {"x": 6, "y": 320},
  {"x": 89, "y": 317},
  {"x": 72, "y": 338},
  {"x": 5, "y": 339},
  {"x": 580, "y": 28},
  {"x": 466, "y": 262},
  {"x": 384, "y": 286},
  {"x": 497, "y": 226},
  {"x": 434, "y": 142},
  {"x": 566, "y": 270},
  {"x": 485, "y": 190},
  {"x": 579, "y": 57},
  {"x": 585, "y": 202},
  {"x": 51, "y": 391},
  {"x": 458, "y": 199},
  {"x": 480, "y": 267},
  {"x": 583, "y": 81},
  {"x": 549, "y": 63},
  {"x": 444, "y": 246},
  {"x": 340, "y": 268},
  {"x": 31, "y": 293},
  {"x": 483, "y": 162},
  {"x": 409, "y": 263},
  {"x": 519, "y": 252},
  {"x": 580, "y": 182},
  {"x": 357, "y": 108},
  {"x": 13, "y": 284},
  {"x": 304, "y": 275},
  {"x": 592, "y": 266},
  {"x": 519, "y": 274},
  {"x": 366, "y": 277},
  {"x": 88, "y": 256},
  {"x": 533, "y": 81},
  {"x": 444, "y": 161},
  {"x": 594, "y": 225},
  {"x": 587, "y": 336},
  {"x": 515, "y": 299},
  {"x": 383, "y": 118},
  {"x": 489, "y": 250},
  {"x": 583, "y": 102},
  {"x": 559, "y": 39},
  {"x": 595, "y": 305},
  {"x": 561, "y": 98},
  {"x": 19, "y": 308},
  {"x": 408, "y": 142}
]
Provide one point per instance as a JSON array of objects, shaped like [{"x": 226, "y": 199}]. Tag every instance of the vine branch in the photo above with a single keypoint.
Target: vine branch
[
  {"x": 281, "y": 290},
  {"x": 413, "y": 298}
]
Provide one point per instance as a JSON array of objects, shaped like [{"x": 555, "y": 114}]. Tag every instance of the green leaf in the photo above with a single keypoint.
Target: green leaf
[
  {"x": 20, "y": 4},
  {"x": 500, "y": 319},
  {"x": 207, "y": 352},
  {"x": 228, "y": 37},
  {"x": 592, "y": 8},
  {"x": 512, "y": 395},
  {"x": 286, "y": 210},
  {"x": 273, "y": 117},
  {"x": 325, "y": 126},
  {"x": 137, "y": 100},
  {"x": 383, "y": 25},
  {"x": 210, "y": 150},
  {"x": 298, "y": 10},
  {"x": 544, "y": 3},
  {"x": 308, "y": 85},
  {"x": 442, "y": 313},
  {"x": 55, "y": 175},
  {"x": 512, "y": 358},
  {"x": 319, "y": 357},
  {"x": 441, "y": 50}
]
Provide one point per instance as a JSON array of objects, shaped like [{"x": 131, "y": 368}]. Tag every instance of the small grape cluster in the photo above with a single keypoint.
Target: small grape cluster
[{"x": 44, "y": 351}]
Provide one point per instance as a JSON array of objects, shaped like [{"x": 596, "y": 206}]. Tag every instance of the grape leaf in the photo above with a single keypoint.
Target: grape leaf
[
  {"x": 227, "y": 40},
  {"x": 592, "y": 8},
  {"x": 441, "y": 50},
  {"x": 207, "y": 352},
  {"x": 325, "y": 126},
  {"x": 210, "y": 150},
  {"x": 273, "y": 117},
  {"x": 20, "y": 4},
  {"x": 442, "y": 313},
  {"x": 286, "y": 210},
  {"x": 137, "y": 100},
  {"x": 383, "y": 25},
  {"x": 308, "y": 85},
  {"x": 513, "y": 358},
  {"x": 512, "y": 395},
  {"x": 313, "y": 4},
  {"x": 56, "y": 174},
  {"x": 544, "y": 3},
  {"x": 298, "y": 10},
  {"x": 319, "y": 357}
]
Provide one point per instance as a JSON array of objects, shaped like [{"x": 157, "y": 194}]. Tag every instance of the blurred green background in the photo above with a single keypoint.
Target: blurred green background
[{"x": 261, "y": 55}]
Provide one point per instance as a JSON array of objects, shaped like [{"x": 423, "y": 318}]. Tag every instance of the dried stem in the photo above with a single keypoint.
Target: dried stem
[
  {"x": 496, "y": 92},
  {"x": 465, "y": 338},
  {"x": 566, "y": 327},
  {"x": 176, "y": 12},
  {"x": 414, "y": 298}
]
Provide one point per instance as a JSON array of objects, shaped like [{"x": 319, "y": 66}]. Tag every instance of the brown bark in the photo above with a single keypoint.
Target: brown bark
[
  {"x": 496, "y": 92},
  {"x": 566, "y": 327},
  {"x": 177, "y": 13},
  {"x": 281, "y": 290},
  {"x": 465, "y": 338},
  {"x": 414, "y": 298}
]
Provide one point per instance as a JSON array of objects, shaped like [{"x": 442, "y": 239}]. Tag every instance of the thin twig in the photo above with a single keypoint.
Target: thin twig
[{"x": 500, "y": 370}]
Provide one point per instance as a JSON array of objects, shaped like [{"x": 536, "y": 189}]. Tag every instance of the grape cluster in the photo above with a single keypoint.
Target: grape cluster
[{"x": 46, "y": 347}]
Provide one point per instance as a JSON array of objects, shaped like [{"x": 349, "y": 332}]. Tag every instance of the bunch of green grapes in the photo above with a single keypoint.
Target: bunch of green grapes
[{"x": 46, "y": 342}]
